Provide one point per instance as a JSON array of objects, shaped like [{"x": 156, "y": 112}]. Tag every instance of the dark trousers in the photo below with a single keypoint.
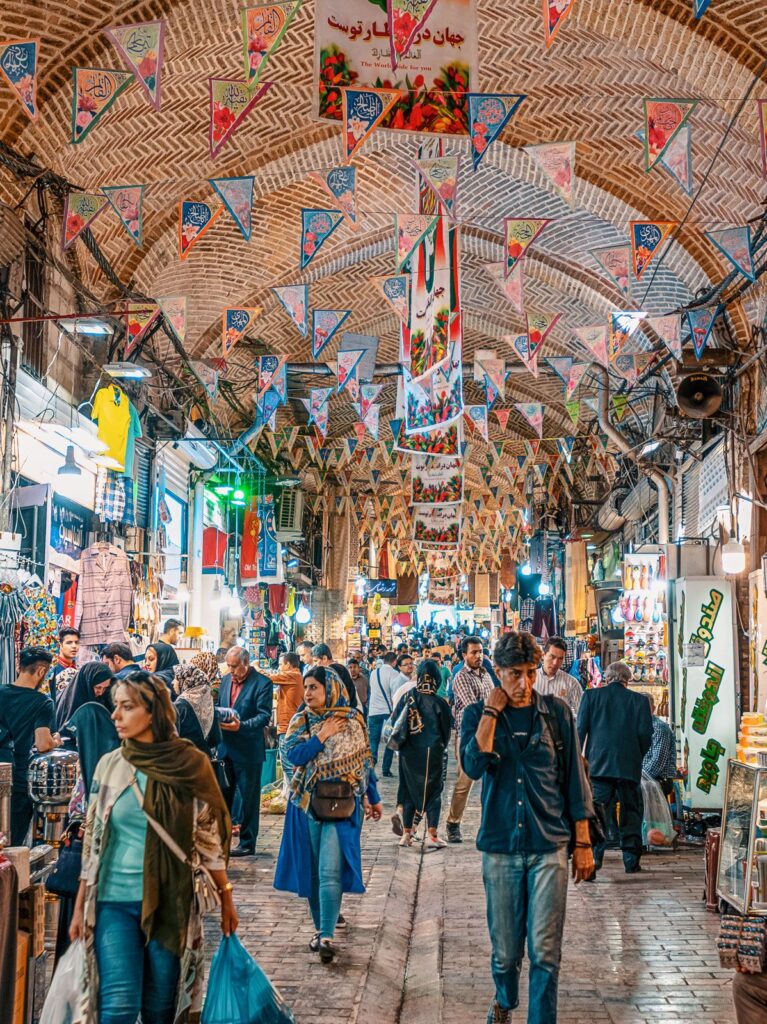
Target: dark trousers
[
  {"x": 375, "y": 728},
  {"x": 245, "y": 780},
  {"x": 21, "y": 813},
  {"x": 629, "y": 795},
  {"x": 749, "y": 993}
]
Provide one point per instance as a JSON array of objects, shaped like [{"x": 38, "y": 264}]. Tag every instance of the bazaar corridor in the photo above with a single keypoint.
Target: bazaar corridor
[{"x": 637, "y": 948}]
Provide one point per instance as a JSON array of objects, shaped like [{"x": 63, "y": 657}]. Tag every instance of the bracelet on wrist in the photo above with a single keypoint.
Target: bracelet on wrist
[
  {"x": 491, "y": 713},
  {"x": 583, "y": 846}
]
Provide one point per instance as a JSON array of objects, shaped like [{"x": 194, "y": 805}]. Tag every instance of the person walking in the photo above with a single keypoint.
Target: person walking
[
  {"x": 552, "y": 680},
  {"x": 195, "y": 710},
  {"x": 243, "y": 748},
  {"x": 289, "y": 684},
  {"x": 471, "y": 683},
  {"x": 383, "y": 683},
  {"x": 304, "y": 651},
  {"x": 405, "y": 666},
  {"x": 421, "y": 756},
  {"x": 361, "y": 680},
  {"x": 615, "y": 729},
  {"x": 660, "y": 760},
  {"x": 524, "y": 747},
  {"x": 161, "y": 660},
  {"x": 66, "y": 661},
  {"x": 155, "y": 810}
]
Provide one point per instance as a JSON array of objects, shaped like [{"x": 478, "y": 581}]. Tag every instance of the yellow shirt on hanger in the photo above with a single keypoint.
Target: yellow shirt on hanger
[{"x": 111, "y": 409}]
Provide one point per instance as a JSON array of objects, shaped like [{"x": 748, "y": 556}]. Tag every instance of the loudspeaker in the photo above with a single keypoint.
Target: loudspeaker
[{"x": 699, "y": 396}]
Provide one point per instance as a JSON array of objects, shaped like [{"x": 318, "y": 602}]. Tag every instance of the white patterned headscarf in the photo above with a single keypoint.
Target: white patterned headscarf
[{"x": 194, "y": 687}]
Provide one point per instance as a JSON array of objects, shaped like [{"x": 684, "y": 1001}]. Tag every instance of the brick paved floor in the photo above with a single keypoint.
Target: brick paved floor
[{"x": 637, "y": 948}]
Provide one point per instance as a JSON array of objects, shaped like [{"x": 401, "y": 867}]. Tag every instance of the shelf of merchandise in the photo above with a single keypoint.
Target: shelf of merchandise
[{"x": 644, "y": 607}]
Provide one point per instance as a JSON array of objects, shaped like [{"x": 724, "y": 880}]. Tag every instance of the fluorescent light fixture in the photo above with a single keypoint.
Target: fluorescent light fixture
[
  {"x": 87, "y": 325},
  {"x": 107, "y": 462},
  {"x": 649, "y": 447},
  {"x": 288, "y": 481},
  {"x": 126, "y": 371},
  {"x": 69, "y": 467}
]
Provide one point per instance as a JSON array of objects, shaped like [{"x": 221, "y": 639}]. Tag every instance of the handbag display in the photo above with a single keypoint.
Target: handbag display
[
  {"x": 333, "y": 801},
  {"x": 64, "y": 880}
]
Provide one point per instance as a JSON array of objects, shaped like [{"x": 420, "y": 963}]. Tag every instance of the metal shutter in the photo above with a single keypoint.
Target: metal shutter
[{"x": 144, "y": 485}]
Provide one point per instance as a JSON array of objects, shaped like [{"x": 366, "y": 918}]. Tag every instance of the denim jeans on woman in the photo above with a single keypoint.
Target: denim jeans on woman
[
  {"x": 135, "y": 977},
  {"x": 327, "y": 875},
  {"x": 526, "y": 894}
]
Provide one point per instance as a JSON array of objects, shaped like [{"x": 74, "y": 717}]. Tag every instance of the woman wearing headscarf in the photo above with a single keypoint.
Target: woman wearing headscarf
[
  {"x": 195, "y": 713},
  {"x": 90, "y": 684},
  {"x": 161, "y": 659},
  {"x": 421, "y": 755},
  {"x": 320, "y": 857},
  {"x": 154, "y": 801}
]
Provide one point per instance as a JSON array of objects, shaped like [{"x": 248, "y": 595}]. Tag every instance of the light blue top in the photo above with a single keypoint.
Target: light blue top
[{"x": 121, "y": 874}]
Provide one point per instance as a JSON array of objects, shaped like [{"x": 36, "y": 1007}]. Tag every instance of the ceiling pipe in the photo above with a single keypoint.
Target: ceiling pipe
[{"x": 620, "y": 442}]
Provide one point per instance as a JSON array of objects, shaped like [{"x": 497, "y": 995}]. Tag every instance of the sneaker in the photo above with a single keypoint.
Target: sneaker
[
  {"x": 388, "y": 775},
  {"x": 454, "y": 833},
  {"x": 497, "y": 1015},
  {"x": 396, "y": 824},
  {"x": 406, "y": 840},
  {"x": 314, "y": 945},
  {"x": 632, "y": 869},
  {"x": 328, "y": 951},
  {"x": 434, "y": 843},
  {"x": 341, "y": 922}
]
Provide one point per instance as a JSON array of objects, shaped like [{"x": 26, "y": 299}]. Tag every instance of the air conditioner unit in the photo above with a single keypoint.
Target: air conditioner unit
[{"x": 289, "y": 519}]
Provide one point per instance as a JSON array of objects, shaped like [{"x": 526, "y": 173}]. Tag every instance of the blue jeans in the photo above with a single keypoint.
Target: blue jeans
[
  {"x": 327, "y": 868},
  {"x": 526, "y": 894},
  {"x": 287, "y": 767},
  {"x": 135, "y": 977},
  {"x": 375, "y": 728}
]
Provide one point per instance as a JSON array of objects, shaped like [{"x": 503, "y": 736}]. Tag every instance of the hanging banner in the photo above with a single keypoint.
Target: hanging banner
[
  {"x": 520, "y": 234},
  {"x": 669, "y": 330},
  {"x": 699, "y": 7},
  {"x": 574, "y": 411},
  {"x": 539, "y": 326},
  {"x": 406, "y": 19},
  {"x": 521, "y": 345},
  {"x": 371, "y": 421},
  {"x": 325, "y": 323},
  {"x": 369, "y": 345},
  {"x": 533, "y": 413},
  {"x": 139, "y": 318},
  {"x": 435, "y": 400},
  {"x": 268, "y": 545},
  {"x": 630, "y": 368},
  {"x": 647, "y": 236},
  {"x": 340, "y": 183},
  {"x": 237, "y": 196},
  {"x": 477, "y": 417},
  {"x": 555, "y": 13},
  {"x": 411, "y": 229},
  {"x": 433, "y": 297},
  {"x": 294, "y": 299},
  {"x": 80, "y": 210},
  {"x": 761, "y": 108},
  {"x": 267, "y": 405},
  {"x": 445, "y": 441},
  {"x": 142, "y": 48},
  {"x": 263, "y": 27},
  {"x": 318, "y": 399},
  {"x": 735, "y": 244},
  {"x": 230, "y": 103},
  {"x": 18, "y": 63},
  {"x": 363, "y": 110},
  {"x": 512, "y": 286},
  {"x": 701, "y": 323},
  {"x": 664, "y": 118},
  {"x": 502, "y": 415},
  {"x": 270, "y": 374},
  {"x": 620, "y": 404},
  {"x": 346, "y": 368},
  {"x": 565, "y": 446},
  {"x": 194, "y": 219},
  {"x": 494, "y": 380},
  {"x": 489, "y": 113},
  {"x": 561, "y": 365},
  {"x": 234, "y": 323},
  {"x": 94, "y": 90},
  {"x": 622, "y": 325},
  {"x": 615, "y": 262},
  {"x": 441, "y": 175},
  {"x": 437, "y": 526},
  {"x": 208, "y": 376},
  {"x": 396, "y": 291},
  {"x": 368, "y": 394},
  {"x": 316, "y": 228},
  {"x": 173, "y": 308},
  {"x": 352, "y": 48},
  {"x": 128, "y": 203},
  {"x": 677, "y": 160},
  {"x": 577, "y": 372},
  {"x": 595, "y": 340},
  {"x": 436, "y": 481},
  {"x": 557, "y": 161}
]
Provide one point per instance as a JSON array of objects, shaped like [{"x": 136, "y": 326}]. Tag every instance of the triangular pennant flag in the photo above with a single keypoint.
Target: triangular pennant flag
[
  {"x": 194, "y": 219},
  {"x": 173, "y": 308},
  {"x": 395, "y": 426},
  {"x": 629, "y": 367},
  {"x": 520, "y": 234},
  {"x": 237, "y": 196},
  {"x": 532, "y": 448},
  {"x": 318, "y": 398},
  {"x": 669, "y": 330},
  {"x": 294, "y": 299},
  {"x": 554, "y": 14},
  {"x": 573, "y": 411},
  {"x": 139, "y": 318},
  {"x": 347, "y": 363},
  {"x": 396, "y": 290},
  {"x": 615, "y": 261},
  {"x": 595, "y": 340},
  {"x": 271, "y": 375},
  {"x": 372, "y": 421},
  {"x": 521, "y": 345},
  {"x": 340, "y": 183},
  {"x": 316, "y": 228},
  {"x": 94, "y": 90},
  {"x": 325, "y": 323},
  {"x": 230, "y": 103},
  {"x": 234, "y": 323},
  {"x": 410, "y": 230},
  {"x": 502, "y": 415},
  {"x": 406, "y": 19},
  {"x": 699, "y": 7},
  {"x": 663, "y": 120},
  {"x": 620, "y": 404},
  {"x": 541, "y": 468},
  {"x": 477, "y": 417},
  {"x": 557, "y": 161},
  {"x": 263, "y": 27},
  {"x": 701, "y": 322},
  {"x": 363, "y": 110},
  {"x": 207, "y": 376},
  {"x": 141, "y": 47},
  {"x": 321, "y": 420},
  {"x": 369, "y": 393},
  {"x": 18, "y": 63},
  {"x": 533, "y": 413},
  {"x": 441, "y": 175},
  {"x": 80, "y": 211},
  {"x": 647, "y": 236},
  {"x": 561, "y": 365},
  {"x": 492, "y": 391},
  {"x": 576, "y": 376},
  {"x": 565, "y": 446},
  {"x": 350, "y": 443},
  {"x": 677, "y": 160},
  {"x": 539, "y": 326},
  {"x": 735, "y": 244},
  {"x": 359, "y": 429},
  {"x": 267, "y": 405},
  {"x": 511, "y": 286},
  {"x": 489, "y": 113},
  {"x": 622, "y": 326},
  {"x": 128, "y": 203}
]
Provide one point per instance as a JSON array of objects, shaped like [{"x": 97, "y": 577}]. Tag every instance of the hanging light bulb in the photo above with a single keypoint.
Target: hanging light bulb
[
  {"x": 544, "y": 589},
  {"x": 526, "y": 569},
  {"x": 303, "y": 614},
  {"x": 235, "y": 606},
  {"x": 182, "y": 593},
  {"x": 733, "y": 558},
  {"x": 225, "y": 597}
]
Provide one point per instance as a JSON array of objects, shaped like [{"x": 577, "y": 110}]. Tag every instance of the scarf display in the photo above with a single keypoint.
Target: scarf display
[
  {"x": 345, "y": 757},
  {"x": 193, "y": 685},
  {"x": 177, "y": 774}
]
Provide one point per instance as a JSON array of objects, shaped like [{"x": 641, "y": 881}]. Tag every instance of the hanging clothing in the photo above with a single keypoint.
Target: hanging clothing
[
  {"x": 112, "y": 411},
  {"x": 134, "y": 433},
  {"x": 104, "y": 596},
  {"x": 544, "y": 620},
  {"x": 41, "y": 624},
  {"x": 13, "y": 605},
  {"x": 576, "y": 581}
]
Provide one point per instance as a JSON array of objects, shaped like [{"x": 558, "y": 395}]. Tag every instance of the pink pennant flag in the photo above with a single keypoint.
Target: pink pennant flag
[
  {"x": 139, "y": 318},
  {"x": 539, "y": 326},
  {"x": 595, "y": 340},
  {"x": 441, "y": 175},
  {"x": 128, "y": 203},
  {"x": 555, "y": 13},
  {"x": 664, "y": 119},
  {"x": 669, "y": 330},
  {"x": 520, "y": 233},
  {"x": 502, "y": 415},
  {"x": 237, "y": 196},
  {"x": 615, "y": 261},
  {"x": 557, "y": 161},
  {"x": 346, "y": 371},
  {"x": 533, "y": 413},
  {"x": 576, "y": 376},
  {"x": 173, "y": 308},
  {"x": 142, "y": 47},
  {"x": 512, "y": 286}
]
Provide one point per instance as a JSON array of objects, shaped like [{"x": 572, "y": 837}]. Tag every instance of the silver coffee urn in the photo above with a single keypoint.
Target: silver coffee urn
[
  {"x": 52, "y": 777},
  {"x": 6, "y": 779}
]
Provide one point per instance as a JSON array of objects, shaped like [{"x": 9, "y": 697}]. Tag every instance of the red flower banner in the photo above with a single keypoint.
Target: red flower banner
[
  {"x": 230, "y": 103},
  {"x": 128, "y": 203},
  {"x": 142, "y": 47},
  {"x": 263, "y": 27},
  {"x": 664, "y": 118},
  {"x": 406, "y": 20},
  {"x": 94, "y": 90},
  {"x": 80, "y": 211},
  {"x": 18, "y": 63},
  {"x": 139, "y": 318}
]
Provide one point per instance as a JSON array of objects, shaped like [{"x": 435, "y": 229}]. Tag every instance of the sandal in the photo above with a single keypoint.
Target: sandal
[
  {"x": 406, "y": 840},
  {"x": 314, "y": 945}
]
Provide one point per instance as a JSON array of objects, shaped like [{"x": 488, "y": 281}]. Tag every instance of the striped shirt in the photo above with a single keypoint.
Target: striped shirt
[
  {"x": 660, "y": 760},
  {"x": 468, "y": 688},
  {"x": 561, "y": 685}
]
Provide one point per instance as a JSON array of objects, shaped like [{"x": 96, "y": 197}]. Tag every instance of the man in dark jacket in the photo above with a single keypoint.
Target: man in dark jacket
[
  {"x": 615, "y": 725},
  {"x": 243, "y": 750}
]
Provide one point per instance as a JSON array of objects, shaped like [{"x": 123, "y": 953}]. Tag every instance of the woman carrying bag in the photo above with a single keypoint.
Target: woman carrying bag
[
  {"x": 154, "y": 859},
  {"x": 320, "y": 856}
]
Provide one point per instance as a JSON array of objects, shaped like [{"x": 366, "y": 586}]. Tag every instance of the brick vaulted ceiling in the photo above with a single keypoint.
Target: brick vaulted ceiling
[{"x": 589, "y": 87}]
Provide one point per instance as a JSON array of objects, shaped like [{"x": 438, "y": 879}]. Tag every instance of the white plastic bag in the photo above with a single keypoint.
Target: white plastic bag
[
  {"x": 657, "y": 826},
  {"x": 65, "y": 1003}
]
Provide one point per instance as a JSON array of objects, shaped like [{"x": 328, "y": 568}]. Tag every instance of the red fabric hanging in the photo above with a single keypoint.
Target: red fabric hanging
[
  {"x": 249, "y": 550},
  {"x": 278, "y": 598}
]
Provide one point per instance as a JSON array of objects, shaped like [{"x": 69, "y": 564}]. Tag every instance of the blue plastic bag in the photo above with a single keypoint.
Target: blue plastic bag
[{"x": 239, "y": 992}]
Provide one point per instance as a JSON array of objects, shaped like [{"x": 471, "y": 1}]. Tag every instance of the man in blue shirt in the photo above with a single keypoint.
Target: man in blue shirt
[{"x": 525, "y": 749}]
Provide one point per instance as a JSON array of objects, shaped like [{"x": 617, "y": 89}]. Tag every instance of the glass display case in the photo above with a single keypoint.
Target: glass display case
[
  {"x": 742, "y": 873},
  {"x": 644, "y": 613}
]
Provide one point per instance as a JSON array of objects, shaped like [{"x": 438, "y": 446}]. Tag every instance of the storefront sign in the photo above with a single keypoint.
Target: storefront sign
[
  {"x": 384, "y": 588},
  {"x": 706, "y": 686}
]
